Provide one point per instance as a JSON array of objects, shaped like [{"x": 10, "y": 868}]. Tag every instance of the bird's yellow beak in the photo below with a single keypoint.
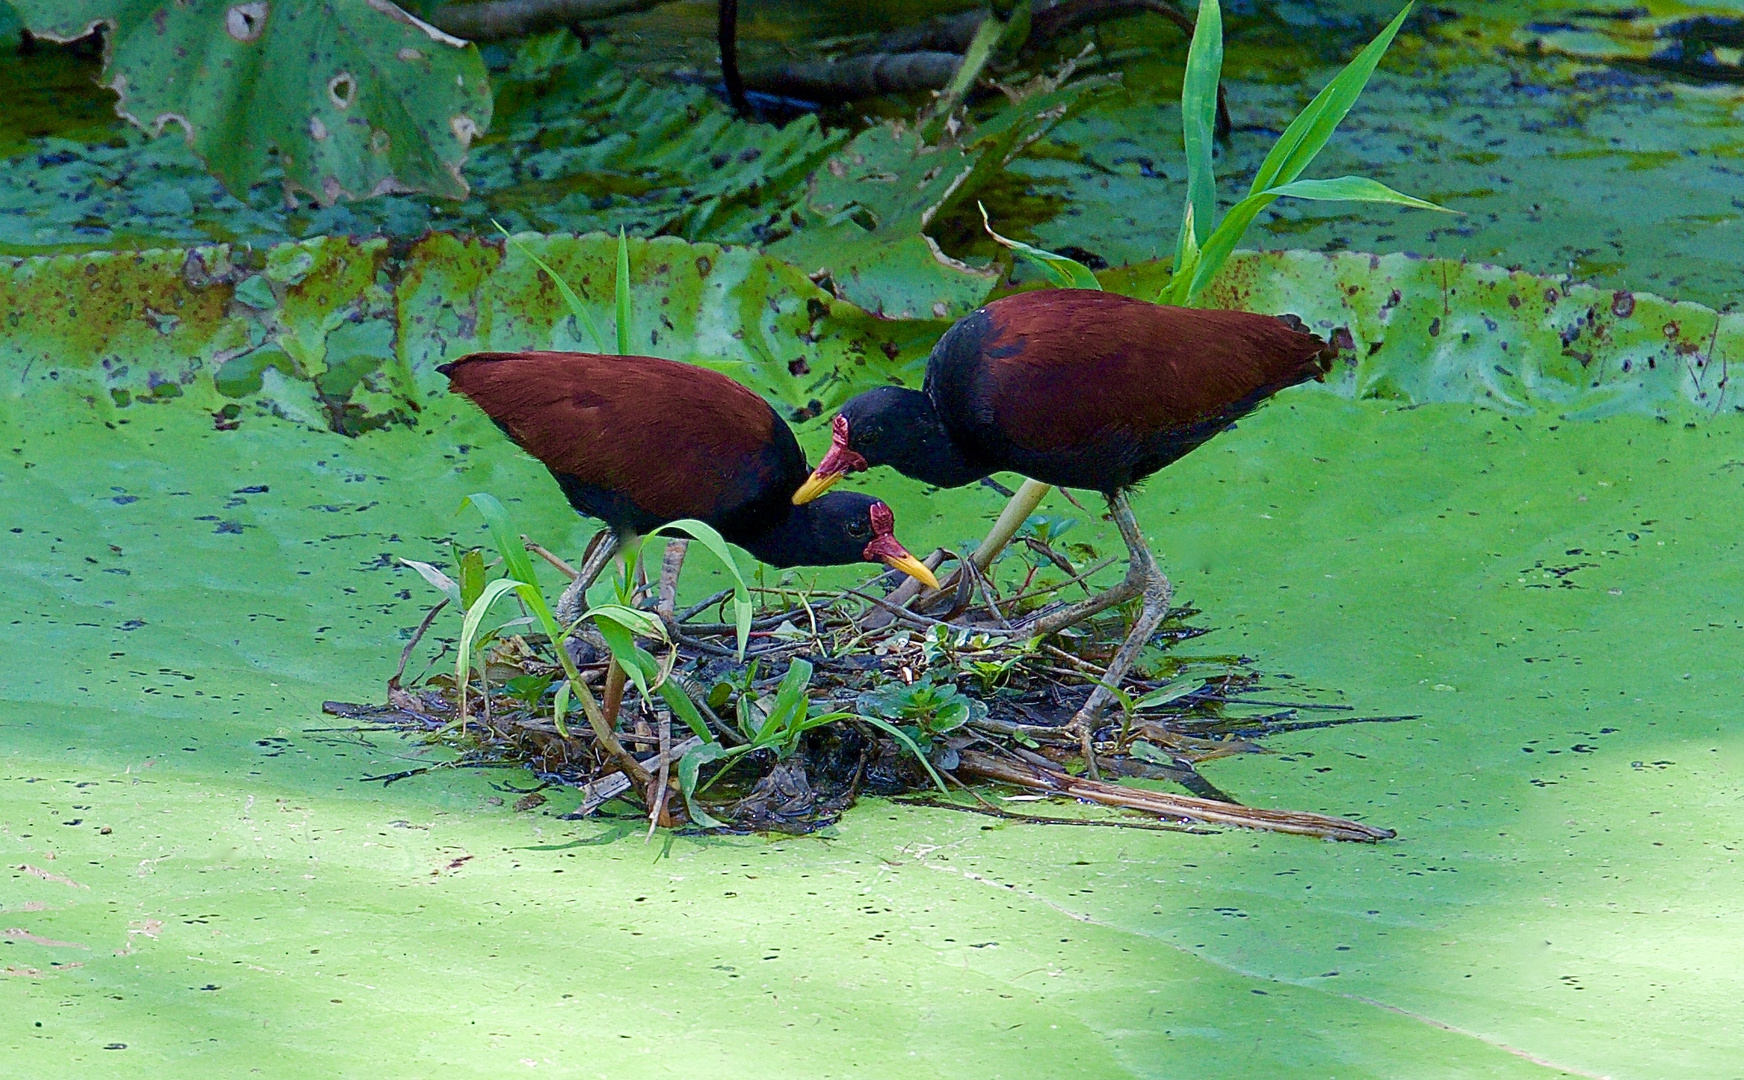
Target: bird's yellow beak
[
  {"x": 913, "y": 567},
  {"x": 885, "y": 548},
  {"x": 816, "y": 484},
  {"x": 839, "y": 462}
]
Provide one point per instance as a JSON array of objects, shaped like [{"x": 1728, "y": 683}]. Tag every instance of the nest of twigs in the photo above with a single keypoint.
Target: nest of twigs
[{"x": 987, "y": 707}]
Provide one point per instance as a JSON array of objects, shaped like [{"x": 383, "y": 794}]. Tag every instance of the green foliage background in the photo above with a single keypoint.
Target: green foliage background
[{"x": 1533, "y": 547}]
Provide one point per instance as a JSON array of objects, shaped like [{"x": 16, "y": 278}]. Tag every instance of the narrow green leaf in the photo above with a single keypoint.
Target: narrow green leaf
[
  {"x": 469, "y": 626},
  {"x": 503, "y": 533},
  {"x": 1066, "y": 273},
  {"x": 1198, "y": 121},
  {"x": 634, "y": 620},
  {"x": 1296, "y": 149},
  {"x": 711, "y": 539},
  {"x": 470, "y": 565},
  {"x": 975, "y": 59},
  {"x": 623, "y": 293},
  {"x": 560, "y": 708},
  {"x": 896, "y": 733},
  {"x": 1186, "y": 261},
  {"x": 1235, "y": 224},
  {"x": 673, "y": 693},
  {"x": 576, "y": 307},
  {"x": 1352, "y": 189},
  {"x": 690, "y": 767},
  {"x": 445, "y": 584},
  {"x": 1162, "y": 695}
]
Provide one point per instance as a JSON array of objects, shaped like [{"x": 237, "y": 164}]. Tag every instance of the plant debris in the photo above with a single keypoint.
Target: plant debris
[{"x": 846, "y": 693}]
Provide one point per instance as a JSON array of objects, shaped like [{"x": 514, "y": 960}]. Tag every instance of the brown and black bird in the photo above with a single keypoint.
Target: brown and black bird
[
  {"x": 638, "y": 442},
  {"x": 1076, "y": 388}
]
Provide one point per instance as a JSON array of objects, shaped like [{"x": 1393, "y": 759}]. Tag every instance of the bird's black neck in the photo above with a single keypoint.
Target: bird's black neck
[
  {"x": 803, "y": 536},
  {"x": 909, "y": 435}
]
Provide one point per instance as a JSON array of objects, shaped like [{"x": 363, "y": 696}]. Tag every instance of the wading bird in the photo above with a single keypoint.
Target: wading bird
[
  {"x": 1075, "y": 388},
  {"x": 637, "y": 442}
]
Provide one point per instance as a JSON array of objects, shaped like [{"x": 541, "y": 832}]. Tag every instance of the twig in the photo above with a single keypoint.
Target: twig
[
  {"x": 563, "y": 568},
  {"x": 694, "y": 610},
  {"x": 727, "y": 31},
  {"x": 1035, "y": 819},
  {"x": 417, "y": 636},
  {"x": 657, "y": 805},
  {"x": 1156, "y": 802},
  {"x": 900, "y": 613},
  {"x": 606, "y": 788}
]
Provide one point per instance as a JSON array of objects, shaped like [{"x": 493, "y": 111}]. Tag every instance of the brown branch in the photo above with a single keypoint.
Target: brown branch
[
  {"x": 497, "y": 20},
  {"x": 1156, "y": 802},
  {"x": 852, "y": 77}
]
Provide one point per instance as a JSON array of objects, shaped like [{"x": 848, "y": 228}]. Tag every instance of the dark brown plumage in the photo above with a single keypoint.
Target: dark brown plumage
[
  {"x": 1075, "y": 388},
  {"x": 638, "y": 442}
]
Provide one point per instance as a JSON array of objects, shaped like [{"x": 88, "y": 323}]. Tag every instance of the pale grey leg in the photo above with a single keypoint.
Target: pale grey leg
[
  {"x": 1155, "y": 588},
  {"x": 574, "y": 599}
]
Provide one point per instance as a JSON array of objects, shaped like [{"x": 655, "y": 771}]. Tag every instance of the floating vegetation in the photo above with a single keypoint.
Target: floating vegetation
[{"x": 835, "y": 694}]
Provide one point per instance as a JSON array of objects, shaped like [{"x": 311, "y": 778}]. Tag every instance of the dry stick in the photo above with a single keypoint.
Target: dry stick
[
  {"x": 906, "y": 592},
  {"x": 1209, "y": 810},
  {"x": 406, "y": 653},
  {"x": 657, "y": 805},
  {"x": 599, "y": 550},
  {"x": 727, "y": 31},
  {"x": 563, "y": 568},
  {"x": 1033, "y": 819}
]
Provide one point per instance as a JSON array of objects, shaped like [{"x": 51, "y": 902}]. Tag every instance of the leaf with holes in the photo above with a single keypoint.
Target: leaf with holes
[{"x": 351, "y": 99}]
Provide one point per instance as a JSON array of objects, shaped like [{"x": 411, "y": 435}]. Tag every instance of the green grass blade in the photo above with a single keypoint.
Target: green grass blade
[
  {"x": 975, "y": 58},
  {"x": 710, "y": 538},
  {"x": 1198, "y": 120},
  {"x": 1235, "y": 224},
  {"x": 1174, "y": 691},
  {"x": 1295, "y": 150},
  {"x": 1353, "y": 189},
  {"x": 507, "y": 538},
  {"x": 623, "y": 293},
  {"x": 1186, "y": 262},
  {"x": 894, "y": 732},
  {"x": 1064, "y": 272},
  {"x": 689, "y": 768},
  {"x": 469, "y": 626},
  {"x": 445, "y": 584},
  {"x": 576, "y": 307},
  {"x": 685, "y": 709}
]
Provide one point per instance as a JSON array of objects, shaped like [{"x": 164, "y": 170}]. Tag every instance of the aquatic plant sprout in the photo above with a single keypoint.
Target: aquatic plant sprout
[{"x": 1205, "y": 242}]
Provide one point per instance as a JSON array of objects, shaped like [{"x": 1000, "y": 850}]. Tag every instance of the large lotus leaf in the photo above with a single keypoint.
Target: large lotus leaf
[
  {"x": 1421, "y": 330},
  {"x": 354, "y": 336},
  {"x": 350, "y": 98},
  {"x": 198, "y": 882},
  {"x": 867, "y": 208}
]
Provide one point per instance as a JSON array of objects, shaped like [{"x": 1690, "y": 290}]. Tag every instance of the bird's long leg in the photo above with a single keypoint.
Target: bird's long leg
[
  {"x": 1156, "y": 591},
  {"x": 666, "y": 601},
  {"x": 573, "y": 602},
  {"x": 1011, "y": 519},
  {"x": 1140, "y": 572}
]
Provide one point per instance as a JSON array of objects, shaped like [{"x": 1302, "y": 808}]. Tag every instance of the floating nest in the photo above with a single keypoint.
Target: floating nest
[{"x": 987, "y": 707}]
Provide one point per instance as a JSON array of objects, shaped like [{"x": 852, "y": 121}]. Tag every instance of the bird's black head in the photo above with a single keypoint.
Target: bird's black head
[
  {"x": 890, "y": 426},
  {"x": 840, "y": 528}
]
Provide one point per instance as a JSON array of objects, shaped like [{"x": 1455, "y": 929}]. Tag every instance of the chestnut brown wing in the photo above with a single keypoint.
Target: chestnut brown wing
[
  {"x": 637, "y": 439},
  {"x": 1066, "y": 369}
]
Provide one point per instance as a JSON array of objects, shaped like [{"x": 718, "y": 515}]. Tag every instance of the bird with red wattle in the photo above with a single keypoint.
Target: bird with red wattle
[{"x": 1076, "y": 388}]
